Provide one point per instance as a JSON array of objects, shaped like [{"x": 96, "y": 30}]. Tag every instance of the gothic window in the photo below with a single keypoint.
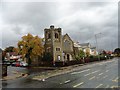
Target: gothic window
[
  {"x": 49, "y": 36},
  {"x": 56, "y": 35}
]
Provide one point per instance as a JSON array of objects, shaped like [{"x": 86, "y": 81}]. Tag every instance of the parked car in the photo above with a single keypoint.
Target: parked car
[
  {"x": 17, "y": 64},
  {"x": 23, "y": 64}
]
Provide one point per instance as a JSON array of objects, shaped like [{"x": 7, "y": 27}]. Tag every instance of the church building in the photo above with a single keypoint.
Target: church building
[{"x": 60, "y": 46}]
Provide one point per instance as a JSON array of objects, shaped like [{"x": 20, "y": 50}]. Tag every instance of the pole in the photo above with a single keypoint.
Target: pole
[{"x": 97, "y": 45}]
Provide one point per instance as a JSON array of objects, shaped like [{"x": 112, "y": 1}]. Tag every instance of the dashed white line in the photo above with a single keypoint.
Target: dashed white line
[
  {"x": 106, "y": 70},
  {"x": 92, "y": 78},
  {"x": 100, "y": 74},
  {"x": 92, "y": 73},
  {"x": 67, "y": 81},
  {"x": 99, "y": 85},
  {"x": 80, "y": 71},
  {"x": 78, "y": 84}
]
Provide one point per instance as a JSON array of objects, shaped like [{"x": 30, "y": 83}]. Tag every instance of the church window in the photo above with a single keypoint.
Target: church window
[
  {"x": 49, "y": 36},
  {"x": 56, "y": 35}
]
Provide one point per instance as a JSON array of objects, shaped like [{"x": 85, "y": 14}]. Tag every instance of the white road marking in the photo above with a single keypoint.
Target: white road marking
[
  {"x": 80, "y": 71},
  {"x": 87, "y": 74},
  {"x": 95, "y": 71},
  {"x": 78, "y": 84},
  {"x": 92, "y": 78},
  {"x": 67, "y": 81},
  {"x": 106, "y": 70},
  {"x": 99, "y": 85},
  {"x": 100, "y": 74},
  {"x": 105, "y": 76},
  {"x": 91, "y": 73}
]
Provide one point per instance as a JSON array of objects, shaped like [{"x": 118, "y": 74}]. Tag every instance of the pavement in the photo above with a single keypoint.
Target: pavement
[
  {"x": 102, "y": 74},
  {"x": 14, "y": 73}
]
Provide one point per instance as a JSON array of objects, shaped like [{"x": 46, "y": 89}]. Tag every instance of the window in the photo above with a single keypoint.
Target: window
[
  {"x": 49, "y": 36},
  {"x": 56, "y": 35},
  {"x": 57, "y": 49}
]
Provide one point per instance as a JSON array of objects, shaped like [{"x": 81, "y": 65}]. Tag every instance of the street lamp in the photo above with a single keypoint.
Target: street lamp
[{"x": 97, "y": 44}]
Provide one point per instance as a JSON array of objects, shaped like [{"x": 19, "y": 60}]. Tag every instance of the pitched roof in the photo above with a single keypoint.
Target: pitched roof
[
  {"x": 84, "y": 44},
  {"x": 93, "y": 47},
  {"x": 76, "y": 45},
  {"x": 68, "y": 36}
]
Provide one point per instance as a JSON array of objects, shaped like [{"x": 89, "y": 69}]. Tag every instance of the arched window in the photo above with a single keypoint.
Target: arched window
[
  {"x": 56, "y": 35},
  {"x": 49, "y": 36}
]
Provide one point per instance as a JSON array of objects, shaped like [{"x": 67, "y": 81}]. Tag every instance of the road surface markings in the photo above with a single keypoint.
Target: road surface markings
[
  {"x": 106, "y": 70},
  {"x": 92, "y": 78},
  {"x": 115, "y": 80},
  {"x": 78, "y": 84},
  {"x": 65, "y": 82},
  {"x": 100, "y": 74},
  {"x": 107, "y": 86},
  {"x": 99, "y": 85},
  {"x": 105, "y": 76},
  {"x": 92, "y": 73},
  {"x": 80, "y": 71}
]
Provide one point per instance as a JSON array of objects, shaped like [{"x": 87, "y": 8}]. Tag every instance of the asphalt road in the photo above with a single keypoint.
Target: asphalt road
[{"x": 96, "y": 75}]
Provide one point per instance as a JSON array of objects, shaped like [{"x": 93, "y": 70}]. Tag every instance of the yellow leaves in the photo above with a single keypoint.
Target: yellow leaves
[{"x": 31, "y": 45}]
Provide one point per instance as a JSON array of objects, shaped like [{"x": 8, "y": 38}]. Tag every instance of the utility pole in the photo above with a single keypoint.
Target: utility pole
[{"x": 97, "y": 44}]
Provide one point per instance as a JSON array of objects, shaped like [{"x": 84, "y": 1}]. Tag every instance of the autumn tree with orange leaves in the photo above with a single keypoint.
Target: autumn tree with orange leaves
[{"x": 30, "y": 47}]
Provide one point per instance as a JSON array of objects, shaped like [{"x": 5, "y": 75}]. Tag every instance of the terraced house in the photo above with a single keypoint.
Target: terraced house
[{"x": 62, "y": 47}]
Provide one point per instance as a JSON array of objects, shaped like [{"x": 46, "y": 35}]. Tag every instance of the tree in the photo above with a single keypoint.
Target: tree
[
  {"x": 30, "y": 47},
  {"x": 117, "y": 51},
  {"x": 9, "y": 49},
  {"x": 80, "y": 55},
  {"x": 87, "y": 52},
  {"x": 47, "y": 57}
]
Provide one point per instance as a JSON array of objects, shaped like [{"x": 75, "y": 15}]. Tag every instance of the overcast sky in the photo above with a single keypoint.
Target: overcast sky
[{"x": 81, "y": 20}]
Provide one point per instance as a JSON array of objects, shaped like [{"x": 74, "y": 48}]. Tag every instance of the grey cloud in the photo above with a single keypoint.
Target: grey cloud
[{"x": 80, "y": 20}]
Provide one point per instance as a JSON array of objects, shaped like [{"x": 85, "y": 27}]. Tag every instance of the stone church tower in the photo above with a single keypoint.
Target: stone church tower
[{"x": 53, "y": 43}]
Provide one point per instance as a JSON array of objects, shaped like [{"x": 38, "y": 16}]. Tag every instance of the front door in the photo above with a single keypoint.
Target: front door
[{"x": 68, "y": 57}]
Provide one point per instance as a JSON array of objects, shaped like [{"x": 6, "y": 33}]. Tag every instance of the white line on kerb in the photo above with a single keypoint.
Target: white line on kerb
[
  {"x": 80, "y": 71},
  {"x": 78, "y": 84},
  {"x": 99, "y": 85}
]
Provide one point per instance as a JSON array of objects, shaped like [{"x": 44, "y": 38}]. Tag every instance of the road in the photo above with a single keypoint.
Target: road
[{"x": 96, "y": 75}]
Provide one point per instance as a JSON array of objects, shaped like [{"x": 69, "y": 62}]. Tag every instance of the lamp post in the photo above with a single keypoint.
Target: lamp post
[{"x": 97, "y": 44}]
